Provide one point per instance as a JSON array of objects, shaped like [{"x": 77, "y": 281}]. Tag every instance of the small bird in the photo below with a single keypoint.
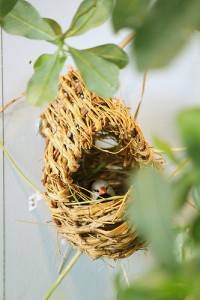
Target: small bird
[{"x": 101, "y": 189}]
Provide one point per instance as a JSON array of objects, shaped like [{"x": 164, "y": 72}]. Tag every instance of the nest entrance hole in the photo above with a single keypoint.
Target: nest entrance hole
[{"x": 103, "y": 161}]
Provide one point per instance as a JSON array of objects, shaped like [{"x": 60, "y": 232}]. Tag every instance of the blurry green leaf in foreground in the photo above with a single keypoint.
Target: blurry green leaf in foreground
[
  {"x": 5, "y": 7},
  {"x": 100, "y": 75},
  {"x": 159, "y": 285},
  {"x": 188, "y": 122},
  {"x": 151, "y": 212},
  {"x": 196, "y": 195},
  {"x": 43, "y": 85},
  {"x": 166, "y": 148},
  {"x": 25, "y": 20},
  {"x": 182, "y": 187},
  {"x": 195, "y": 231},
  {"x": 129, "y": 13},
  {"x": 112, "y": 53},
  {"x": 90, "y": 14},
  {"x": 167, "y": 28}
]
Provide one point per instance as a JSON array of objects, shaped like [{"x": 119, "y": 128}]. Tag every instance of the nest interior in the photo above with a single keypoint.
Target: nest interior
[{"x": 89, "y": 137}]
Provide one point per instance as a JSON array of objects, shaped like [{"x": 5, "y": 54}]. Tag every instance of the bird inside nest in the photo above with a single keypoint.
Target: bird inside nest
[{"x": 101, "y": 189}]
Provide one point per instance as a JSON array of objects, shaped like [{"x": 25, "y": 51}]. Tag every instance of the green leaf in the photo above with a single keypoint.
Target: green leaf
[
  {"x": 188, "y": 122},
  {"x": 5, "y": 7},
  {"x": 166, "y": 29},
  {"x": 100, "y": 75},
  {"x": 112, "y": 53},
  {"x": 196, "y": 195},
  {"x": 25, "y": 20},
  {"x": 129, "y": 14},
  {"x": 182, "y": 186},
  {"x": 54, "y": 25},
  {"x": 90, "y": 14},
  {"x": 195, "y": 231},
  {"x": 166, "y": 148},
  {"x": 151, "y": 211},
  {"x": 43, "y": 86},
  {"x": 184, "y": 246},
  {"x": 158, "y": 285}
]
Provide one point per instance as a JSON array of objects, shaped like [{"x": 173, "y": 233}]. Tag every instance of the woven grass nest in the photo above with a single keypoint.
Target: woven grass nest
[{"x": 75, "y": 125}]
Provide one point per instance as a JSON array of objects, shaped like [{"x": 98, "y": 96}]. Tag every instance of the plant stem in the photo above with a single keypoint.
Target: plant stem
[
  {"x": 63, "y": 274},
  {"x": 11, "y": 102},
  {"x": 180, "y": 149},
  {"x": 179, "y": 168},
  {"x": 17, "y": 169},
  {"x": 125, "y": 275},
  {"x": 125, "y": 42}
]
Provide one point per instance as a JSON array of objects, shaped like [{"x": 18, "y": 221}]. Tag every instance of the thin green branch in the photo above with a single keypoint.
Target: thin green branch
[{"x": 63, "y": 274}]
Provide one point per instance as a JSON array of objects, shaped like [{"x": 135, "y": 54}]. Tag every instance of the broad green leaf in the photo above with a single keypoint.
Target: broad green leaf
[
  {"x": 25, "y": 20},
  {"x": 184, "y": 245},
  {"x": 5, "y": 7},
  {"x": 42, "y": 61},
  {"x": 100, "y": 75},
  {"x": 151, "y": 212},
  {"x": 166, "y": 29},
  {"x": 195, "y": 231},
  {"x": 166, "y": 148},
  {"x": 188, "y": 122},
  {"x": 112, "y": 53},
  {"x": 182, "y": 186},
  {"x": 129, "y": 14},
  {"x": 43, "y": 86},
  {"x": 54, "y": 25},
  {"x": 158, "y": 285},
  {"x": 196, "y": 195},
  {"x": 90, "y": 14}
]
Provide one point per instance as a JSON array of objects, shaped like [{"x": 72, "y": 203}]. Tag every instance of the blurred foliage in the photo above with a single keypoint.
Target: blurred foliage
[
  {"x": 161, "y": 29},
  {"x": 153, "y": 211}
]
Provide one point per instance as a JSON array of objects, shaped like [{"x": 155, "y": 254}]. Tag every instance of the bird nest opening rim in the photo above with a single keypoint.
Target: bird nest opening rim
[{"x": 74, "y": 125}]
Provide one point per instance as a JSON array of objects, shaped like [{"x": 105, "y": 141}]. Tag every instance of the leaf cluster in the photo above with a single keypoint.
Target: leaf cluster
[
  {"x": 156, "y": 202},
  {"x": 162, "y": 28},
  {"x": 99, "y": 65}
]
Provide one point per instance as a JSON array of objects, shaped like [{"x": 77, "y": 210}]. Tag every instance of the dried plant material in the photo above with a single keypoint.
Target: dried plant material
[{"x": 74, "y": 125}]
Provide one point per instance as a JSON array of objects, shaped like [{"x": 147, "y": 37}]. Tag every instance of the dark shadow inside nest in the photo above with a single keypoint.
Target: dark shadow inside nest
[{"x": 103, "y": 161}]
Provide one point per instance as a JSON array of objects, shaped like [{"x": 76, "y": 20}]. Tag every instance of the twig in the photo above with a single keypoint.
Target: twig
[
  {"x": 192, "y": 205},
  {"x": 11, "y": 102},
  {"x": 180, "y": 149},
  {"x": 179, "y": 168},
  {"x": 33, "y": 222},
  {"x": 142, "y": 95},
  {"x": 63, "y": 259},
  {"x": 125, "y": 275},
  {"x": 17, "y": 169},
  {"x": 125, "y": 42},
  {"x": 63, "y": 274}
]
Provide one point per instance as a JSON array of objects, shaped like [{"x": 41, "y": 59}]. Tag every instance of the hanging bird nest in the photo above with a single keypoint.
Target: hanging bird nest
[{"x": 89, "y": 137}]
